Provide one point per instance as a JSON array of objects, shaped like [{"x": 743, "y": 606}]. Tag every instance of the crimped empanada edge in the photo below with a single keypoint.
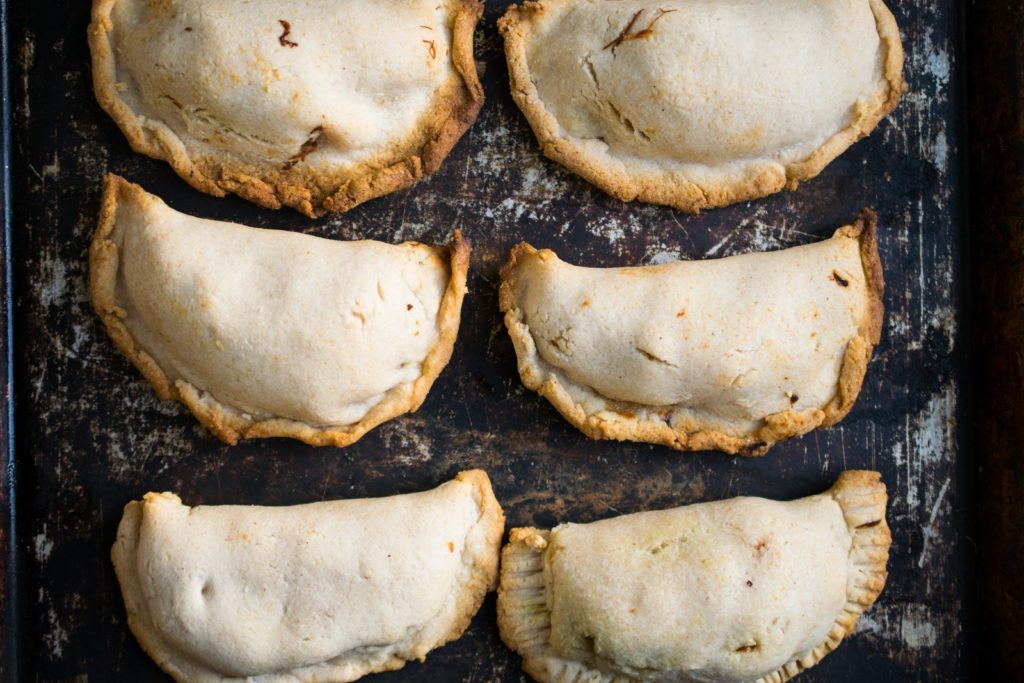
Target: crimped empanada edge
[
  {"x": 862, "y": 497},
  {"x": 548, "y": 382},
  {"x": 225, "y": 422},
  {"x": 483, "y": 578},
  {"x": 524, "y": 618},
  {"x": 858, "y": 352},
  {"x": 453, "y": 111},
  {"x": 761, "y": 178},
  {"x": 867, "y": 119}
]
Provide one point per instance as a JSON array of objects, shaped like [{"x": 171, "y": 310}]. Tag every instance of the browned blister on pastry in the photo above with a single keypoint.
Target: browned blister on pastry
[
  {"x": 269, "y": 332},
  {"x": 732, "y": 354},
  {"x": 317, "y": 105},
  {"x": 732, "y": 591},
  {"x": 701, "y": 103},
  {"x": 318, "y": 593}
]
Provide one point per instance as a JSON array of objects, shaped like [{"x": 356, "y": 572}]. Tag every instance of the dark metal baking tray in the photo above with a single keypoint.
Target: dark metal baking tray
[{"x": 90, "y": 434}]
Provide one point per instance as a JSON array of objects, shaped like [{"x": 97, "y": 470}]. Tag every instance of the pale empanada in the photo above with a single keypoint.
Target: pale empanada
[
  {"x": 738, "y": 590},
  {"x": 318, "y": 105},
  {"x": 273, "y": 333},
  {"x": 322, "y": 592},
  {"x": 731, "y": 354},
  {"x": 701, "y": 103}
]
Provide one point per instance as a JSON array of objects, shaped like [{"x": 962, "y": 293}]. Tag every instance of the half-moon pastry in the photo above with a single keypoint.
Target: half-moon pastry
[
  {"x": 701, "y": 103},
  {"x": 322, "y": 592},
  {"x": 269, "y": 332},
  {"x": 318, "y": 105},
  {"x": 745, "y": 589},
  {"x": 731, "y": 354}
]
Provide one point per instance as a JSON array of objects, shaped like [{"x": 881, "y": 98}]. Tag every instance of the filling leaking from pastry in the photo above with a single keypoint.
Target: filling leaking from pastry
[{"x": 731, "y": 354}]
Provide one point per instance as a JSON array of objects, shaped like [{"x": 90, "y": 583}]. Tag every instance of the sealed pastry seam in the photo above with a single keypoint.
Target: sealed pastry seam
[
  {"x": 525, "y": 599},
  {"x": 627, "y": 421},
  {"x": 228, "y": 422},
  {"x": 627, "y": 178},
  {"x": 309, "y": 188},
  {"x": 478, "y": 575}
]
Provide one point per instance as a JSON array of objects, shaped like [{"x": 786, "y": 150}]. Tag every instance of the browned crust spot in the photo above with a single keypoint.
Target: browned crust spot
[
  {"x": 230, "y": 425},
  {"x": 524, "y": 617},
  {"x": 776, "y": 427},
  {"x": 308, "y": 190},
  {"x": 483, "y": 578},
  {"x": 669, "y": 189}
]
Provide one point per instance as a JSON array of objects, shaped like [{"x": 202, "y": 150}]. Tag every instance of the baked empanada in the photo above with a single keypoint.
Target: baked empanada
[
  {"x": 321, "y": 592},
  {"x": 273, "y": 333},
  {"x": 701, "y": 103},
  {"x": 318, "y": 105},
  {"x": 731, "y": 354},
  {"x": 745, "y": 589}
]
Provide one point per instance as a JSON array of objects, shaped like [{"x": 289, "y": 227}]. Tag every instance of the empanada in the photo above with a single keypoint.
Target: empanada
[
  {"x": 273, "y": 333},
  {"x": 745, "y": 589},
  {"x": 701, "y": 103},
  {"x": 731, "y": 354},
  {"x": 322, "y": 592},
  {"x": 318, "y": 105}
]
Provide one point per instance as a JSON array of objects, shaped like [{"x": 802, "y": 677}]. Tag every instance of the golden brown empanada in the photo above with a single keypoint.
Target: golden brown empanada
[
  {"x": 317, "y": 105},
  {"x": 322, "y": 592},
  {"x": 273, "y": 333},
  {"x": 745, "y": 589},
  {"x": 701, "y": 103},
  {"x": 731, "y": 354}
]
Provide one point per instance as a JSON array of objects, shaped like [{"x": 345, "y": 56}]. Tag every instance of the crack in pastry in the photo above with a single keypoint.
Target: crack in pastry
[
  {"x": 629, "y": 34},
  {"x": 227, "y": 92},
  {"x": 701, "y": 103},
  {"x": 327, "y": 591},
  {"x": 748, "y": 589},
  {"x": 731, "y": 354},
  {"x": 271, "y": 333}
]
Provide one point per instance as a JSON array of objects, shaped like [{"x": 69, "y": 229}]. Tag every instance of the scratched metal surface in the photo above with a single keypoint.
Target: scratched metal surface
[{"x": 91, "y": 434}]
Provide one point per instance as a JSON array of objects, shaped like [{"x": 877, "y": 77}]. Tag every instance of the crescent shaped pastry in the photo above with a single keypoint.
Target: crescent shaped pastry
[
  {"x": 745, "y": 589},
  {"x": 731, "y": 354},
  {"x": 318, "y": 105},
  {"x": 273, "y": 333},
  {"x": 701, "y": 103},
  {"x": 322, "y": 592}
]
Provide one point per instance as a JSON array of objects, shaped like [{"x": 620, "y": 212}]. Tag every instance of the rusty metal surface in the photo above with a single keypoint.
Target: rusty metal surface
[
  {"x": 997, "y": 214},
  {"x": 92, "y": 435}
]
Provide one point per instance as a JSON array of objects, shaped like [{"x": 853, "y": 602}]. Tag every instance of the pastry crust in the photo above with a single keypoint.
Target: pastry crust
[
  {"x": 285, "y": 169},
  {"x": 233, "y": 422},
  {"x": 635, "y": 163},
  {"x": 556, "y": 376},
  {"x": 529, "y": 588},
  {"x": 157, "y": 589}
]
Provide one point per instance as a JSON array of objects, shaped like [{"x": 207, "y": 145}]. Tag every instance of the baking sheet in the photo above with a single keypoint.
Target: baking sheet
[{"x": 91, "y": 435}]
